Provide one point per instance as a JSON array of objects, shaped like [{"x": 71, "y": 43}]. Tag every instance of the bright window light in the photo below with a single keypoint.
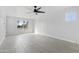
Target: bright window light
[
  {"x": 70, "y": 16},
  {"x": 20, "y": 23}
]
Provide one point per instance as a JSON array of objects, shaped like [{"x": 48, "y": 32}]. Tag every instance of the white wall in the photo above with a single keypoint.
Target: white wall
[
  {"x": 11, "y": 26},
  {"x": 19, "y": 12},
  {"x": 14, "y": 11},
  {"x": 2, "y": 25},
  {"x": 53, "y": 23}
]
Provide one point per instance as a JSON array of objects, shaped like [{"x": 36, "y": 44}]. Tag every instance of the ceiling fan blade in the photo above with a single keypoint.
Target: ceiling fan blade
[
  {"x": 39, "y": 8},
  {"x": 40, "y": 12}
]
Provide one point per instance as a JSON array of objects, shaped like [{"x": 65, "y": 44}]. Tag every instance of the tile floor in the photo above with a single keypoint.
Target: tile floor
[{"x": 34, "y": 43}]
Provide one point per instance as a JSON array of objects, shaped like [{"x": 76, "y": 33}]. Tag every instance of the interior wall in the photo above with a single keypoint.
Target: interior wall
[
  {"x": 2, "y": 25},
  {"x": 53, "y": 23},
  {"x": 18, "y": 12},
  {"x": 11, "y": 26},
  {"x": 14, "y": 11}
]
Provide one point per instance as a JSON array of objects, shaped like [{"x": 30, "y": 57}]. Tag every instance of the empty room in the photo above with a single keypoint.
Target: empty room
[{"x": 39, "y": 29}]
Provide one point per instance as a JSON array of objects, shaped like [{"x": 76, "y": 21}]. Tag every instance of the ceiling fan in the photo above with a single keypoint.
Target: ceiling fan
[
  {"x": 34, "y": 10},
  {"x": 37, "y": 10}
]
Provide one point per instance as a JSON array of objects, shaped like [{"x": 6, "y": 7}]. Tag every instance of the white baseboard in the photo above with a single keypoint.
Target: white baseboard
[
  {"x": 52, "y": 36},
  {"x": 60, "y": 38}
]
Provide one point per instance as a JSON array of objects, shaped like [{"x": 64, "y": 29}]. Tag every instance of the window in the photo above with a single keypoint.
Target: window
[
  {"x": 22, "y": 24},
  {"x": 70, "y": 16}
]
